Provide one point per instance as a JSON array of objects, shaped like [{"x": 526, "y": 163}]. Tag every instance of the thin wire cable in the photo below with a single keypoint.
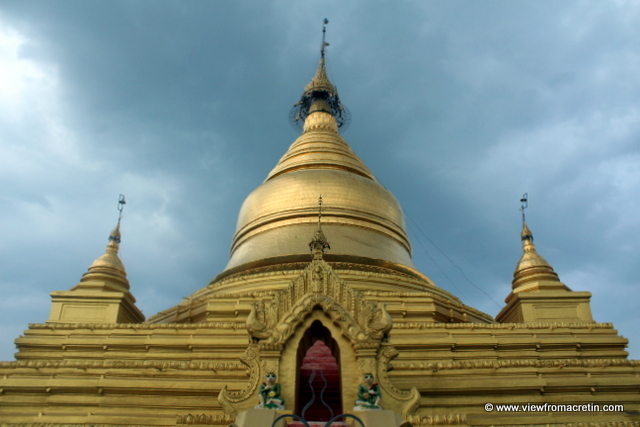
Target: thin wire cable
[
  {"x": 466, "y": 299},
  {"x": 450, "y": 260},
  {"x": 443, "y": 254}
]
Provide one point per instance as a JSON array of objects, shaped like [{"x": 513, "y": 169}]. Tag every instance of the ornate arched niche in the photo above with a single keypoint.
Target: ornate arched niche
[
  {"x": 300, "y": 341},
  {"x": 332, "y": 396}
]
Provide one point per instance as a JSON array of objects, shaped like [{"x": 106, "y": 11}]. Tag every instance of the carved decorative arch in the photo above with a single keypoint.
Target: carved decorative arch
[
  {"x": 362, "y": 321},
  {"x": 338, "y": 314}
]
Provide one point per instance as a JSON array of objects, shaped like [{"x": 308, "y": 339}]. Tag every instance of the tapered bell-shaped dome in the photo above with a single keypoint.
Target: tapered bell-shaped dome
[{"x": 361, "y": 218}]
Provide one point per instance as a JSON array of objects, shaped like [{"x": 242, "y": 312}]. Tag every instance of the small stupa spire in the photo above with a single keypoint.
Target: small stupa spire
[
  {"x": 109, "y": 263},
  {"x": 319, "y": 242},
  {"x": 532, "y": 267},
  {"x": 527, "y": 238}
]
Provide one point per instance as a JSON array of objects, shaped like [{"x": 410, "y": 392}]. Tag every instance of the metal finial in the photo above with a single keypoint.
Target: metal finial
[
  {"x": 115, "y": 234},
  {"x": 319, "y": 212},
  {"x": 525, "y": 204},
  {"x": 525, "y": 235},
  {"x": 121, "y": 203},
  {"x": 324, "y": 31},
  {"x": 320, "y": 88}
]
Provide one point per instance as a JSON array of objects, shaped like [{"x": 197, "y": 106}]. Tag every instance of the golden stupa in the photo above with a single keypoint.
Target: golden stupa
[{"x": 437, "y": 362}]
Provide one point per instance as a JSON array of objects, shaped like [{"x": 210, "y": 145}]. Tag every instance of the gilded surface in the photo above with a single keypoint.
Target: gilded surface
[
  {"x": 102, "y": 296},
  {"x": 360, "y": 319},
  {"x": 404, "y": 402},
  {"x": 320, "y": 81},
  {"x": 362, "y": 217},
  {"x": 204, "y": 419},
  {"x": 538, "y": 294},
  {"x": 230, "y": 400},
  {"x": 438, "y": 420}
]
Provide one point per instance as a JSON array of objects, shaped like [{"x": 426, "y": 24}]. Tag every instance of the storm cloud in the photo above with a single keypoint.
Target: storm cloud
[{"x": 458, "y": 108}]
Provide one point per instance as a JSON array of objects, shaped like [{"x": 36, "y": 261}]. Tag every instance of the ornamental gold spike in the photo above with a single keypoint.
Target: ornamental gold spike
[{"x": 319, "y": 242}]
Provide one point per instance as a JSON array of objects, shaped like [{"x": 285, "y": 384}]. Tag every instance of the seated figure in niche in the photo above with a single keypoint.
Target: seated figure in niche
[
  {"x": 269, "y": 393},
  {"x": 368, "y": 395}
]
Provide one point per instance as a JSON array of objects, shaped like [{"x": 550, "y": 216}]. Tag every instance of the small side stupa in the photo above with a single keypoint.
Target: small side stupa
[
  {"x": 537, "y": 293},
  {"x": 103, "y": 295}
]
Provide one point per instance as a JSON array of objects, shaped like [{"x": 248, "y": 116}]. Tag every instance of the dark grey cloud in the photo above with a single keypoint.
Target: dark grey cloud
[{"x": 458, "y": 108}]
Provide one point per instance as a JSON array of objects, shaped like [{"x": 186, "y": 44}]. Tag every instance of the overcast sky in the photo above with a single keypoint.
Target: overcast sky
[{"x": 458, "y": 108}]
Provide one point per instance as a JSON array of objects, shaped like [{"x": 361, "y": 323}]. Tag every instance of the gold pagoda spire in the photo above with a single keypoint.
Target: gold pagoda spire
[
  {"x": 320, "y": 95},
  {"x": 110, "y": 259},
  {"x": 108, "y": 271},
  {"x": 532, "y": 269},
  {"x": 320, "y": 81},
  {"x": 319, "y": 242},
  {"x": 320, "y": 114},
  {"x": 537, "y": 293},
  {"x": 367, "y": 221}
]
